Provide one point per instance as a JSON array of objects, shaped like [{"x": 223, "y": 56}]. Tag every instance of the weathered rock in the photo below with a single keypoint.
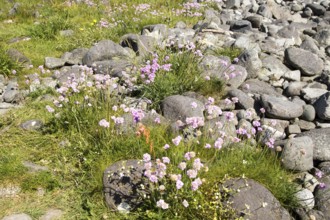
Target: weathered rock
[
  {"x": 308, "y": 63},
  {"x": 317, "y": 9},
  {"x": 9, "y": 191},
  {"x": 323, "y": 37},
  {"x": 233, "y": 4},
  {"x": 262, "y": 204},
  {"x": 290, "y": 32},
  {"x": 255, "y": 86},
  {"x": 250, "y": 60},
  {"x": 240, "y": 26},
  {"x": 298, "y": 154},
  {"x": 74, "y": 57},
  {"x": 294, "y": 88},
  {"x": 281, "y": 108},
  {"x": 309, "y": 113},
  {"x": 321, "y": 139},
  {"x": 244, "y": 101},
  {"x": 21, "y": 216},
  {"x": 52, "y": 62},
  {"x": 310, "y": 95},
  {"x": 17, "y": 56},
  {"x": 305, "y": 198},
  {"x": 33, "y": 124},
  {"x": 124, "y": 185},
  {"x": 142, "y": 45},
  {"x": 107, "y": 50},
  {"x": 114, "y": 68},
  {"x": 275, "y": 66},
  {"x": 322, "y": 195},
  {"x": 322, "y": 106},
  {"x": 292, "y": 75},
  {"x": 179, "y": 107},
  {"x": 293, "y": 129},
  {"x": 305, "y": 125},
  {"x": 52, "y": 214}
]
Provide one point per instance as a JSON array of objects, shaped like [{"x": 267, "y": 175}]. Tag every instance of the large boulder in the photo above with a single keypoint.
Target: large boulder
[
  {"x": 322, "y": 106},
  {"x": 252, "y": 200}
]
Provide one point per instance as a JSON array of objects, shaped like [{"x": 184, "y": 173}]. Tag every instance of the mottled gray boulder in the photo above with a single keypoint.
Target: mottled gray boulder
[
  {"x": 294, "y": 88},
  {"x": 75, "y": 56},
  {"x": 17, "y": 56},
  {"x": 321, "y": 139},
  {"x": 140, "y": 44},
  {"x": 233, "y": 4},
  {"x": 309, "y": 113},
  {"x": 157, "y": 31},
  {"x": 281, "y": 108},
  {"x": 305, "y": 198},
  {"x": 52, "y": 214},
  {"x": 323, "y": 36},
  {"x": 182, "y": 36},
  {"x": 305, "y": 125},
  {"x": 310, "y": 95},
  {"x": 107, "y": 50},
  {"x": 322, "y": 195},
  {"x": 290, "y": 32},
  {"x": 255, "y": 86},
  {"x": 21, "y": 216},
  {"x": 322, "y": 106},
  {"x": 250, "y": 60},
  {"x": 292, "y": 75},
  {"x": 113, "y": 68},
  {"x": 311, "y": 45},
  {"x": 308, "y": 63},
  {"x": 264, "y": 11},
  {"x": 262, "y": 204},
  {"x": 274, "y": 66},
  {"x": 52, "y": 62},
  {"x": 244, "y": 101},
  {"x": 179, "y": 107},
  {"x": 12, "y": 96},
  {"x": 66, "y": 72},
  {"x": 293, "y": 129},
  {"x": 33, "y": 124},
  {"x": 297, "y": 154},
  {"x": 124, "y": 185},
  {"x": 240, "y": 26}
]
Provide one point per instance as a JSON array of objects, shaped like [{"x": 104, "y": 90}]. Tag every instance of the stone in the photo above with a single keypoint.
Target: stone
[
  {"x": 322, "y": 106},
  {"x": 179, "y": 107},
  {"x": 293, "y": 129},
  {"x": 12, "y": 95},
  {"x": 9, "y": 191},
  {"x": 106, "y": 50},
  {"x": 310, "y": 95},
  {"x": 290, "y": 32},
  {"x": 254, "y": 86},
  {"x": 309, "y": 182},
  {"x": 305, "y": 125},
  {"x": 264, "y": 11},
  {"x": 317, "y": 9},
  {"x": 124, "y": 184},
  {"x": 21, "y": 216},
  {"x": 294, "y": 88},
  {"x": 297, "y": 154},
  {"x": 33, "y": 124},
  {"x": 305, "y": 198},
  {"x": 322, "y": 194},
  {"x": 66, "y": 33},
  {"x": 308, "y": 63},
  {"x": 140, "y": 44},
  {"x": 32, "y": 167},
  {"x": 75, "y": 56},
  {"x": 250, "y": 60},
  {"x": 323, "y": 37},
  {"x": 281, "y": 108},
  {"x": 321, "y": 139},
  {"x": 325, "y": 167},
  {"x": 114, "y": 68},
  {"x": 309, "y": 113},
  {"x": 52, "y": 214},
  {"x": 255, "y": 20},
  {"x": 17, "y": 56},
  {"x": 311, "y": 45},
  {"x": 243, "y": 193},
  {"x": 293, "y": 75},
  {"x": 158, "y": 31},
  {"x": 275, "y": 66},
  {"x": 233, "y": 4},
  {"x": 240, "y": 26},
  {"x": 236, "y": 76},
  {"x": 244, "y": 101},
  {"x": 53, "y": 63}
]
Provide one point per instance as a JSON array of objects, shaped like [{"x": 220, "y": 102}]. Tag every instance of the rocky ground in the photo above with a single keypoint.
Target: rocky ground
[{"x": 284, "y": 69}]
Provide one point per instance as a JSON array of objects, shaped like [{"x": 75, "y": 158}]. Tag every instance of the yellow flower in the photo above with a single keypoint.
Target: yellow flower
[
  {"x": 94, "y": 20},
  {"x": 81, "y": 29}
]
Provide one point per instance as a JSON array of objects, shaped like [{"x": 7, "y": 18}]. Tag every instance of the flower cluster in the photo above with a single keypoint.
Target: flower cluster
[{"x": 148, "y": 72}]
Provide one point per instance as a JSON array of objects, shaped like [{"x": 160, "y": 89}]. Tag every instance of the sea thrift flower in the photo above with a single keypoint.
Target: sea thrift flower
[
  {"x": 230, "y": 116},
  {"x": 207, "y": 146},
  {"x": 146, "y": 157},
  {"x": 13, "y": 72},
  {"x": 234, "y": 99},
  {"x": 104, "y": 123},
  {"x": 193, "y": 105},
  {"x": 322, "y": 185},
  {"x": 182, "y": 165},
  {"x": 166, "y": 160},
  {"x": 197, "y": 165},
  {"x": 162, "y": 204},
  {"x": 185, "y": 203},
  {"x": 195, "y": 184},
  {"x": 195, "y": 122},
  {"x": 157, "y": 120},
  {"x": 270, "y": 142},
  {"x": 227, "y": 101},
  {"x": 153, "y": 178},
  {"x": 117, "y": 120},
  {"x": 207, "y": 78},
  {"x": 50, "y": 109},
  {"x": 192, "y": 173},
  {"x": 176, "y": 141},
  {"x": 218, "y": 143},
  {"x": 115, "y": 108},
  {"x": 210, "y": 100},
  {"x": 256, "y": 123},
  {"x": 319, "y": 174},
  {"x": 179, "y": 184},
  {"x": 262, "y": 110},
  {"x": 166, "y": 146},
  {"x": 189, "y": 155}
]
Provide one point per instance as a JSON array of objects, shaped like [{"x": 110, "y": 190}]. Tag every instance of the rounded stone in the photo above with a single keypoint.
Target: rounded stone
[
  {"x": 309, "y": 113},
  {"x": 305, "y": 198}
]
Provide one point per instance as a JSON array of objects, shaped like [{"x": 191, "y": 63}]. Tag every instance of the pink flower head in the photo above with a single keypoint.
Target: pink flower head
[
  {"x": 262, "y": 110},
  {"x": 182, "y": 165},
  {"x": 193, "y": 105},
  {"x": 195, "y": 184},
  {"x": 179, "y": 184},
  {"x": 319, "y": 174},
  {"x": 146, "y": 157},
  {"x": 176, "y": 141},
  {"x": 166, "y": 160},
  {"x": 162, "y": 204},
  {"x": 104, "y": 123},
  {"x": 218, "y": 143},
  {"x": 192, "y": 173},
  {"x": 50, "y": 109},
  {"x": 189, "y": 155},
  {"x": 207, "y": 146},
  {"x": 166, "y": 146}
]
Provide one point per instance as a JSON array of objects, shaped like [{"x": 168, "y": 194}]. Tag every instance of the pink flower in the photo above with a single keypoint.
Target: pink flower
[
  {"x": 166, "y": 160},
  {"x": 179, "y": 184},
  {"x": 104, "y": 123},
  {"x": 319, "y": 174},
  {"x": 176, "y": 141},
  {"x": 195, "y": 184},
  {"x": 189, "y": 155},
  {"x": 193, "y": 105},
  {"x": 192, "y": 173},
  {"x": 50, "y": 109},
  {"x": 182, "y": 165},
  {"x": 162, "y": 204},
  {"x": 262, "y": 110},
  {"x": 166, "y": 146},
  {"x": 218, "y": 143},
  {"x": 146, "y": 157},
  {"x": 207, "y": 146},
  {"x": 157, "y": 120}
]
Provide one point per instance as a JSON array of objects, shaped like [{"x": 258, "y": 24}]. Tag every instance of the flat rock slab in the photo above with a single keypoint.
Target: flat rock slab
[
  {"x": 308, "y": 63},
  {"x": 255, "y": 86},
  {"x": 33, "y": 124},
  {"x": 261, "y": 202},
  {"x": 321, "y": 139},
  {"x": 21, "y": 216},
  {"x": 122, "y": 183},
  {"x": 52, "y": 214},
  {"x": 298, "y": 154},
  {"x": 281, "y": 108}
]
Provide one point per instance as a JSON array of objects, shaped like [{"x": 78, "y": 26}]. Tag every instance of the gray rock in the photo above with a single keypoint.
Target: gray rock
[
  {"x": 293, "y": 129},
  {"x": 113, "y": 68},
  {"x": 52, "y": 62},
  {"x": 308, "y": 63},
  {"x": 52, "y": 214},
  {"x": 310, "y": 95},
  {"x": 294, "y": 88},
  {"x": 327, "y": 51},
  {"x": 179, "y": 107},
  {"x": 9, "y": 191},
  {"x": 4, "y": 105},
  {"x": 236, "y": 76},
  {"x": 305, "y": 125},
  {"x": 292, "y": 75},
  {"x": 106, "y": 50},
  {"x": 297, "y": 154},
  {"x": 322, "y": 106},
  {"x": 309, "y": 182},
  {"x": 309, "y": 113},
  {"x": 12, "y": 96},
  {"x": 323, "y": 37},
  {"x": 240, "y": 26},
  {"x": 250, "y": 60},
  {"x": 305, "y": 198},
  {"x": 256, "y": 20},
  {"x": 74, "y": 57},
  {"x": 321, "y": 139},
  {"x": 33, "y": 124},
  {"x": 275, "y": 66},
  {"x": 264, "y": 11},
  {"x": 13, "y": 11},
  {"x": 322, "y": 194},
  {"x": 124, "y": 185},
  {"x": 32, "y": 167},
  {"x": 281, "y": 108},
  {"x": 17, "y": 56},
  {"x": 66, "y": 33},
  {"x": 290, "y": 32},
  {"x": 254, "y": 86},
  {"x": 262, "y": 204},
  {"x": 317, "y": 9},
  {"x": 310, "y": 45},
  {"x": 233, "y": 4},
  {"x": 180, "y": 24},
  {"x": 308, "y": 12},
  {"x": 325, "y": 167},
  {"x": 21, "y": 216},
  {"x": 244, "y": 101},
  {"x": 158, "y": 31},
  {"x": 140, "y": 44}
]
